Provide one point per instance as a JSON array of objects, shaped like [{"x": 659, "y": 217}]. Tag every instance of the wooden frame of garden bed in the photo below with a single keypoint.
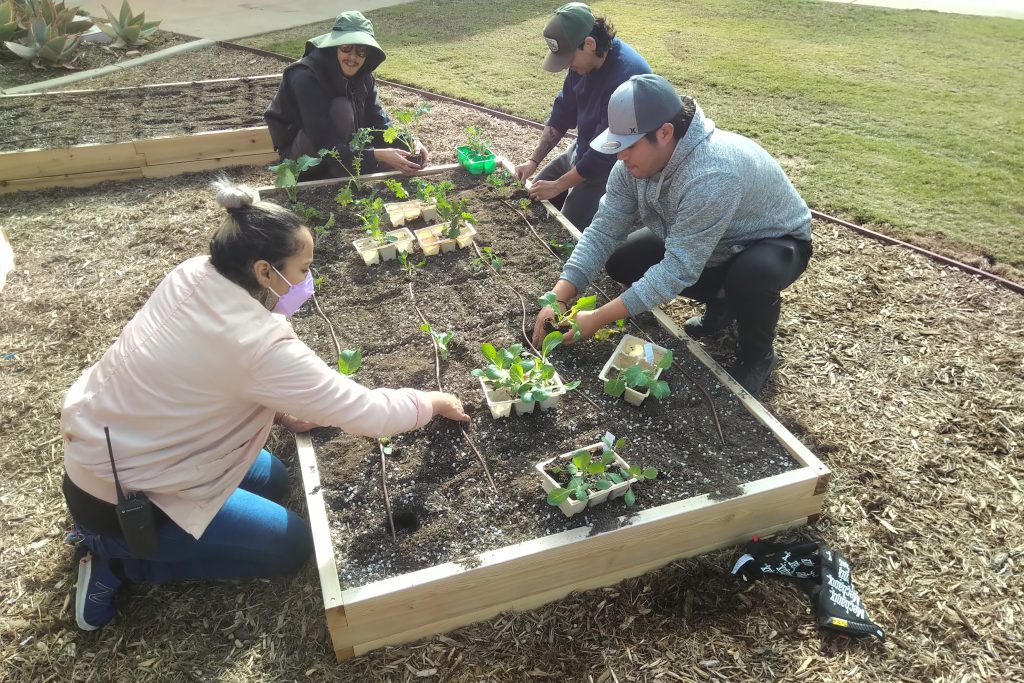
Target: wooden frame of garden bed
[
  {"x": 529, "y": 574},
  {"x": 83, "y": 165}
]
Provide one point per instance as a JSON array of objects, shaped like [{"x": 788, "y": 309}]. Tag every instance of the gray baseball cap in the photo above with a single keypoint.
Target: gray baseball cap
[
  {"x": 640, "y": 105},
  {"x": 566, "y": 29}
]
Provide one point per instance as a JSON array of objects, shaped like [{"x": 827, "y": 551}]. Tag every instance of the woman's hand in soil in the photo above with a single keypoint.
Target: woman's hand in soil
[
  {"x": 294, "y": 424},
  {"x": 396, "y": 159},
  {"x": 525, "y": 170},
  {"x": 448, "y": 405}
]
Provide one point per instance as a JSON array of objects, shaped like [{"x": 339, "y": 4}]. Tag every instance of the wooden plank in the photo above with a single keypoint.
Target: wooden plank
[
  {"x": 208, "y": 145},
  {"x": 76, "y": 180},
  {"x": 539, "y": 599},
  {"x": 68, "y": 161},
  {"x": 574, "y": 558},
  {"x": 165, "y": 170},
  {"x": 144, "y": 86},
  {"x": 323, "y": 545}
]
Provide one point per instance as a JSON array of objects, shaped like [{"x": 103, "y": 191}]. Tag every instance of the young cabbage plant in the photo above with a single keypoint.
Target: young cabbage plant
[
  {"x": 373, "y": 212},
  {"x": 568, "y": 318},
  {"x": 608, "y": 332},
  {"x": 286, "y": 173},
  {"x": 441, "y": 340},
  {"x": 349, "y": 361},
  {"x": 500, "y": 178},
  {"x": 523, "y": 374},
  {"x": 563, "y": 248},
  {"x": 589, "y": 471},
  {"x": 452, "y": 215},
  {"x": 488, "y": 257},
  {"x": 524, "y": 204},
  {"x": 410, "y": 266},
  {"x": 641, "y": 377}
]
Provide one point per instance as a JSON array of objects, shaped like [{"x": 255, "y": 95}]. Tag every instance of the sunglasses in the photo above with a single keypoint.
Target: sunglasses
[{"x": 347, "y": 49}]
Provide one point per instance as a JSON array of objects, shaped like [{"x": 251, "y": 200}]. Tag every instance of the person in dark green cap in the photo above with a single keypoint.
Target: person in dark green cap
[
  {"x": 597, "y": 62},
  {"x": 329, "y": 94}
]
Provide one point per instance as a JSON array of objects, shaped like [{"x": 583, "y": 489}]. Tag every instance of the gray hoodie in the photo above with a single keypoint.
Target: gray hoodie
[{"x": 719, "y": 193}]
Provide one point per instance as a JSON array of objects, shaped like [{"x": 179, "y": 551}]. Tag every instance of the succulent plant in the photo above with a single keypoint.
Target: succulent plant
[
  {"x": 44, "y": 45},
  {"x": 9, "y": 28},
  {"x": 60, "y": 18},
  {"x": 128, "y": 30}
]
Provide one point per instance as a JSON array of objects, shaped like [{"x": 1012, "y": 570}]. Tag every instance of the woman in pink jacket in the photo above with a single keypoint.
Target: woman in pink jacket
[{"x": 188, "y": 394}]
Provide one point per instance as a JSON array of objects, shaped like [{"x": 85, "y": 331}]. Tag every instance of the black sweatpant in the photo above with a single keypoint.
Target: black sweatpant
[{"x": 750, "y": 282}]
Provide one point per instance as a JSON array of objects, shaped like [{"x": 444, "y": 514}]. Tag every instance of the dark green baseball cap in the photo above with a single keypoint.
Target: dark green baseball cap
[
  {"x": 566, "y": 29},
  {"x": 350, "y": 28}
]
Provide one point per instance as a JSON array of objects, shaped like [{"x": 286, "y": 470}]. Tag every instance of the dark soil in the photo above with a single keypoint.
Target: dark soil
[
  {"x": 444, "y": 507},
  {"x": 15, "y": 71},
  {"x": 65, "y": 119}
]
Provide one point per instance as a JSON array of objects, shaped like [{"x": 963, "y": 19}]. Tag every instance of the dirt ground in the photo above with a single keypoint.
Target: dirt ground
[{"x": 907, "y": 378}]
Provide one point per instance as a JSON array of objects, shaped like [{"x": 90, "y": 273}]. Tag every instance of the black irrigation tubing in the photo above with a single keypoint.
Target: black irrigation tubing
[
  {"x": 384, "y": 485},
  {"x": 707, "y": 396},
  {"x": 437, "y": 371},
  {"x": 522, "y": 304},
  {"x": 945, "y": 260}
]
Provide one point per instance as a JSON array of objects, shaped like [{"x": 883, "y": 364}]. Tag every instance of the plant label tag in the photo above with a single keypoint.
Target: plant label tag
[
  {"x": 649, "y": 352},
  {"x": 609, "y": 438}
]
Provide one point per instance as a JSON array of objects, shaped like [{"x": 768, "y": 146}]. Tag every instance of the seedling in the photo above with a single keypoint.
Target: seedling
[
  {"x": 608, "y": 332},
  {"x": 523, "y": 374},
  {"x": 488, "y": 257},
  {"x": 452, "y": 215},
  {"x": 589, "y": 471},
  {"x": 286, "y": 173},
  {"x": 441, "y": 340},
  {"x": 641, "y": 377},
  {"x": 568, "y": 318},
  {"x": 373, "y": 212},
  {"x": 401, "y": 131},
  {"x": 524, "y": 204},
  {"x": 410, "y": 266},
  {"x": 563, "y": 248},
  {"x": 500, "y": 179},
  {"x": 386, "y": 447},
  {"x": 349, "y": 361},
  {"x": 396, "y": 188},
  {"x": 476, "y": 143}
]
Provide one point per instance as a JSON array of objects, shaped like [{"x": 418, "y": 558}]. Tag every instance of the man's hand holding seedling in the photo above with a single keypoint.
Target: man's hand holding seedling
[{"x": 580, "y": 319}]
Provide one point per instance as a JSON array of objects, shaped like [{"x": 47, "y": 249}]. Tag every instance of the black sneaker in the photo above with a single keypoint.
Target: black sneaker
[
  {"x": 753, "y": 375},
  {"x": 718, "y": 315}
]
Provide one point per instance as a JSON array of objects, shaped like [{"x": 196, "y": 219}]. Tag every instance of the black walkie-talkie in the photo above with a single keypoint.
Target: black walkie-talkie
[{"x": 134, "y": 514}]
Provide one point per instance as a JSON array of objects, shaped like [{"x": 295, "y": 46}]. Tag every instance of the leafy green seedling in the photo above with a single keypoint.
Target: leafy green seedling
[
  {"x": 488, "y": 258},
  {"x": 593, "y": 470},
  {"x": 525, "y": 203},
  {"x": 608, "y": 332},
  {"x": 410, "y": 266},
  {"x": 441, "y": 340},
  {"x": 499, "y": 179},
  {"x": 523, "y": 374},
  {"x": 396, "y": 188},
  {"x": 386, "y": 447},
  {"x": 286, "y": 173},
  {"x": 349, "y": 361},
  {"x": 567, "y": 318},
  {"x": 641, "y": 377},
  {"x": 563, "y": 248},
  {"x": 476, "y": 143},
  {"x": 373, "y": 212},
  {"x": 453, "y": 215}
]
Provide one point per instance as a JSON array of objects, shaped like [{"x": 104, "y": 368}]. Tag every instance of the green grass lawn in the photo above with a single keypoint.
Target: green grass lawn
[{"x": 908, "y": 120}]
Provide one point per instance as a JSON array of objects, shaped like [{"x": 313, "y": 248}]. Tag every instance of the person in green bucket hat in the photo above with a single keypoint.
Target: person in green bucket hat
[{"x": 329, "y": 94}]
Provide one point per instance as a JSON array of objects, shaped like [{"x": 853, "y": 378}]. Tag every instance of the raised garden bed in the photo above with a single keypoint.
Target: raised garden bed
[{"x": 473, "y": 531}]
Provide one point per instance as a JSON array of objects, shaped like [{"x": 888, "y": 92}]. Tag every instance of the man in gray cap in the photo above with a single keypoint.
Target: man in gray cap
[
  {"x": 597, "y": 63},
  {"x": 722, "y": 225}
]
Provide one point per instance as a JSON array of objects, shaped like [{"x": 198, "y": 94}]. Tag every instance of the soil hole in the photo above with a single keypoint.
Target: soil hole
[{"x": 407, "y": 520}]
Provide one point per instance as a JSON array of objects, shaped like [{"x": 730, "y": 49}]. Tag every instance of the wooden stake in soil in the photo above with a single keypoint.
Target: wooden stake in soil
[{"x": 440, "y": 387}]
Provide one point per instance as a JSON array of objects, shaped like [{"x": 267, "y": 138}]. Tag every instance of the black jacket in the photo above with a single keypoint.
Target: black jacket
[{"x": 303, "y": 103}]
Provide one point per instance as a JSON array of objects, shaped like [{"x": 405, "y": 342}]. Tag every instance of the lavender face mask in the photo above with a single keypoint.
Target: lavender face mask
[{"x": 292, "y": 300}]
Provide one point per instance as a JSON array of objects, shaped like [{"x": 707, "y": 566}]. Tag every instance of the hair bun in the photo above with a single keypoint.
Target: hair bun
[{"x": 232, "y": 196}]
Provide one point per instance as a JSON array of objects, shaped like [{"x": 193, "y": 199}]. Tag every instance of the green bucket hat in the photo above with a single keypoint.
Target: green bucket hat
[{"x": 350, "y": 28}]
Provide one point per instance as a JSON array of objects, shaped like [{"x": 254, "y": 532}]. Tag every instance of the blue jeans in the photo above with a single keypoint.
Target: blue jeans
[{"x": 252, "y": 536}]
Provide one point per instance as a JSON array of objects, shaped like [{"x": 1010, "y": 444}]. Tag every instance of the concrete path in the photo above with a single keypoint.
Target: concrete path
[
  {"x": 232, "y": 19},
  {"x": 1011, "y": 9}
]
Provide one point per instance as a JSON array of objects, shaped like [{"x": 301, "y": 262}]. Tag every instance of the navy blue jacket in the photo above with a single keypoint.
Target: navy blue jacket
[{"x": 583, "y": 105}]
